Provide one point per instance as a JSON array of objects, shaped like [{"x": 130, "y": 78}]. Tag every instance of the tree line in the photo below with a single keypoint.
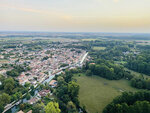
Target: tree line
[
  {"x": 138, "y": 102},
  {"x": 106, "y": 69},
  {"x": 67, "y": 92},
  {"x": 139, "y": 63}
]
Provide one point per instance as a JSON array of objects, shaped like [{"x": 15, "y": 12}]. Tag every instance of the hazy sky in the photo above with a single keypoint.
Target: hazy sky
[{"x": 75, "y": 15}]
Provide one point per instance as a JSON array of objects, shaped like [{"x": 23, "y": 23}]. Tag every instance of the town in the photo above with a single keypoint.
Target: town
[{"x": 38, "y": 66}]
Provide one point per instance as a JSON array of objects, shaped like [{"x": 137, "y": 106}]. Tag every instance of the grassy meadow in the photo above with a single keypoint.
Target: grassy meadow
[
  {"x": 89, "y": 39},
  {"x": 137, "y": 73},
  {"x": 99, "y": 48},
  {"x": 96, "y": 92}
]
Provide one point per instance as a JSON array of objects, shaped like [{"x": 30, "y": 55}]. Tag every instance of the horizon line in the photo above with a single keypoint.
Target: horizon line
[{"x": 25, "y": 31}]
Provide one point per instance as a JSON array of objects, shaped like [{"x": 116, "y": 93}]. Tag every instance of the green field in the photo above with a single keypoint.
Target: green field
[
  {"x": 90, "y": 39},
  {"x": 137, "y": 74},
  {"x": 96, "y": 92},
  {"x": 99, "y": 48}
]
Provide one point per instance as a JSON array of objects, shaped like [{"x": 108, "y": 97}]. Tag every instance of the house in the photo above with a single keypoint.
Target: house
[
  {"x": 92, "y": 63},
  {"x": 22, "y": 79},
  {"x": 3, "y": 71},
  {"x": 43, "y": 93},
  {"x": 53, "y": 83},
  {"x": 1, "y": 56},
  {"x": 20, "y": 111},
  {"x": 33, "y": 100},
  {"x": 29, "y": 111}
]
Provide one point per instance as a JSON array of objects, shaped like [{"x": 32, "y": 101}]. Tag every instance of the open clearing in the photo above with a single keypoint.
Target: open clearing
[
  {"x": 89, "y": 39},
  {"x": 99, "y": 48},
  {"x": 137, "y": 73},
  {"x": 96, "y": 92}
]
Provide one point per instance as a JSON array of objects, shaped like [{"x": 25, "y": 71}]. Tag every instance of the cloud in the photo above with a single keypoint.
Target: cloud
[{"x": 37, "y": 11}]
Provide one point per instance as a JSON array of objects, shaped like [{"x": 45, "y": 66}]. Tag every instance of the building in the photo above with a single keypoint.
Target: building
[
  {"x": 20, "y": 111},
  {"x": 29, "y": 111},
  {"x": 43, "y": 93},
  {"x": 53, "y": 83},
  {"x": 33, "y": 100}
]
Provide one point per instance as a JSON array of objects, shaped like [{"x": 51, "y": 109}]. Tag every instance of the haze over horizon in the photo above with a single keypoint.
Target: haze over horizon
[{"x": 75, "y": 15}]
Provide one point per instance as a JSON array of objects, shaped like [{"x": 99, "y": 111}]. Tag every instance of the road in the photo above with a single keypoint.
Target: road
[{"x": 83, "y": 58}]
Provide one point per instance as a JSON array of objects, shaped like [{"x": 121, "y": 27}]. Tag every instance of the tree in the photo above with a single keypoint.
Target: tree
[
  {"x": 68, "y": 76},
  {"x": 32, "y": 87},
  {"x": 1, "y": 108},
  {"x": 92, "y": 67},
  {"x": 14, "y": 97},
  {"x": 60, "y": 80},
  {"x": 38, "y": 108},
  {"x": 27, "y": 85},
  {"x": 22, "y": 106},
  {"x": 9, "y": 80},
  {"x": 130, "y": 103},
  {"x": 73, "y": 89},
  {"x": 8, "y": 88},
  {"x": 148, "y": 84},
  {"x": 28, "y": 96},
  {"x": 71, "y": 107},
  {"x": 88, "y": 73},
  {"x": 12, "y": 73},
  {"x": 52, "y": 107},
  {"x": 4, "y": 98},
  {"x": 19, "y": 95},
  {"x": 9, "y": 85}
]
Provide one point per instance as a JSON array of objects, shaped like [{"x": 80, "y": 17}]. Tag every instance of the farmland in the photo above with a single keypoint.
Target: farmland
[{"x": 99, "y": 48}]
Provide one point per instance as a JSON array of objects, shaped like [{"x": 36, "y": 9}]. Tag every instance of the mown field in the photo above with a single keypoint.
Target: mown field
[
  {"x": 96, "y": 92},
  {"x": 89, "y": 39},
  {"x": 137, "y": 74},
  {"x": 99, "y": 48}
]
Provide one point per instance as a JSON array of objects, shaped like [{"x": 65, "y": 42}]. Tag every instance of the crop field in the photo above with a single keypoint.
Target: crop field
[
  {"x": 99, "y": 48},
  {"x": 89, "y": 39},
  {"x": 96, "y": 92}
]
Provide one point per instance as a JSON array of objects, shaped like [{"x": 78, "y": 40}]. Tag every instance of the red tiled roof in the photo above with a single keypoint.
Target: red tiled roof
[{"x": 44, "y": 93}]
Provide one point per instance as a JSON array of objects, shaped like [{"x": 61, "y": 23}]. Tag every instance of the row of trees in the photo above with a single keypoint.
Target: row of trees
[
  {"x": 139, "y": 63},
  {"x": 141, "y": 83},
  {"x": 138, "y": 102}
]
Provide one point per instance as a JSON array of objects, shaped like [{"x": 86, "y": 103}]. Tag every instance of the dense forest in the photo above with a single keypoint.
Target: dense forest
[
  {"x": 106, "y": 69},
  {"x": 139, "y": 63},
  {"x": 138, "y": 102},
  {"x": 67, "y": 93}
]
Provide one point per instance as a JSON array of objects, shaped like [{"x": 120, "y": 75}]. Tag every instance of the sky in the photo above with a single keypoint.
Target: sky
[{"x": 75, "y": 15}]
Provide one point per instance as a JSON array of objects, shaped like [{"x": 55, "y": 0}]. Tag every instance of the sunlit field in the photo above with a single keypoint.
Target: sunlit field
[{"x": 96, "y": 92}]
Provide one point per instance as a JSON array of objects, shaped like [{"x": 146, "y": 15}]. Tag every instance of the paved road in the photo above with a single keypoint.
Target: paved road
[{"x": 83, "y": 58}]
